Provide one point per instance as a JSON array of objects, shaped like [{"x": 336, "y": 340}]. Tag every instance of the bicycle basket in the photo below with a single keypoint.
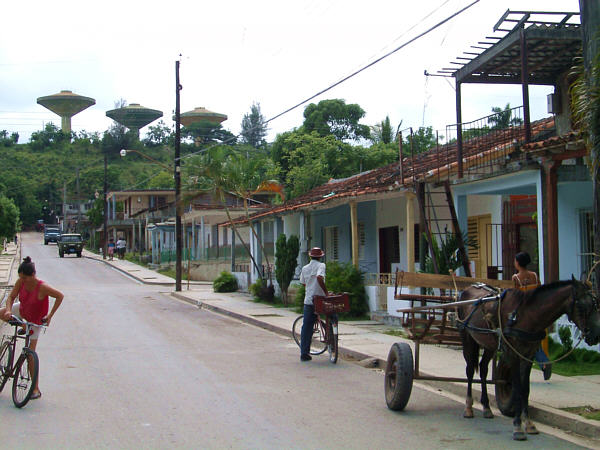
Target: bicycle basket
[{"x": 332, "y": 304}]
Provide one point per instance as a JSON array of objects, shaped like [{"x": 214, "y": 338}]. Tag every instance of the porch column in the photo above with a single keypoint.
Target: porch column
[
  {"x": 303, "y": 240},
  {"x": 194, "y": 255},
  {"x": 132, "y": 244},
  {"x": 410, "y": 232},
  {"x": 202, "y": 238},
  {"x": 114, "y": 207},
  {"x": 551, "y": 216},
  {"x": 232, "y": 250},
  {"x": 140, "y": 236},
  {"x": 354, "y": 226},
  {"x": 525, "y": 85},
  {"x": 459, "y": 142}
]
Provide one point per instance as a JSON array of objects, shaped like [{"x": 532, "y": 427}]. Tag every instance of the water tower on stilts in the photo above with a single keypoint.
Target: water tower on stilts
[
  {"x": 134, "y": 116},
  {"x": 66, "y": 104}
]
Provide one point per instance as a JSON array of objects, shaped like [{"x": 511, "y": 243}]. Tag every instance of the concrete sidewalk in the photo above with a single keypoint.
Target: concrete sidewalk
[
  {"x": 140, "y": 273},
  {"x": 367, "y": 341}
]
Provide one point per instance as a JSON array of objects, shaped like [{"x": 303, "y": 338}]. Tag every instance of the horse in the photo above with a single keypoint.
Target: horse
[{"x": 517, "y": 321}]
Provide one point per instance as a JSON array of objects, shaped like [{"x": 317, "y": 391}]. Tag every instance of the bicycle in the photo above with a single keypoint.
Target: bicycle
[
  {"x": 26, "y": 368},
  {"x": 325, "y": 332}
]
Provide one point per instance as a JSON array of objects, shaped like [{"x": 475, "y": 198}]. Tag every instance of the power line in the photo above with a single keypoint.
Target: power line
[{"x": 353, "y": 74}]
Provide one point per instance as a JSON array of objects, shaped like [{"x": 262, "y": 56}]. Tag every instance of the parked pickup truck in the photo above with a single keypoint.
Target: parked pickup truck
[
  {"x": 51, "y": 234},
  {"x": 70, "y": 244}
]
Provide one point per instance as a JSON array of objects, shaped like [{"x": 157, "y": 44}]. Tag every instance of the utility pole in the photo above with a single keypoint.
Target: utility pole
[
  {"x": 105, "y": 227},
  {"x": 64, "y": 209},
  {"x": 177, "y": 176},
  {"x": 78, "y": 202}
]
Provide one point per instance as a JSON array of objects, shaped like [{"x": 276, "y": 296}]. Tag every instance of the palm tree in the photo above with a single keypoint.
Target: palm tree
[
  {"x": 503, "y": 119},
  {"x": 585, "y": 104},
  {"x": 224, "y": 172}
]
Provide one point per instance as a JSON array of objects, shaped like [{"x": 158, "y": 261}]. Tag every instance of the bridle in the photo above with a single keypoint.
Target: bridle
[{"x": 578, "y": 309}]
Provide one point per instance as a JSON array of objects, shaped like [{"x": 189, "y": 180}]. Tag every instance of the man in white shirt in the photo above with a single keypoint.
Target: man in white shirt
[{"x": 313, "y": 279}]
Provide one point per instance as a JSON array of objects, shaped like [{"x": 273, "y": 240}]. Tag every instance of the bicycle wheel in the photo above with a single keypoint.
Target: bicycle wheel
[
  {"x": 332, "y": 344},
  {"x": 25, "y": 378},
  {"x": 318, "y": 344},
  {"x": 6, "y": 358}
]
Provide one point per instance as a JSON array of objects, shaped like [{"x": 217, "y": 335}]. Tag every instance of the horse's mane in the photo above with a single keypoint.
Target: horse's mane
[{"x": 546, "y": 287}]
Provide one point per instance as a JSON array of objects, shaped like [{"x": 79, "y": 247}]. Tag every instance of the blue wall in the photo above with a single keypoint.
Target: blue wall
[
  {"x": 340, "y": 217},
  {"x": 572, "y": 198}
]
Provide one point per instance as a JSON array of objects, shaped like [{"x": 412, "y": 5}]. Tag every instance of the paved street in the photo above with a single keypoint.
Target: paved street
[{"x": 125, "y": 366}]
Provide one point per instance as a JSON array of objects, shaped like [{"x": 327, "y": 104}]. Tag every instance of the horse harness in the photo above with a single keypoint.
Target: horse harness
[{"x": 509, "y": 330}]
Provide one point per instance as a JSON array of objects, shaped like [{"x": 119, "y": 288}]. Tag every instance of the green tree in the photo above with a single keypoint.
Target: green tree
[
  {"x": 423, "y": 139},
  {"x": 286, "y": 253},
  {"x": 158, "y": 135},
  {"x": 9, "y": 218},
  {"x": 163, "y": 180},
  {"x": 383, "y": 132},
  {"x": 503, "y": 118},
  {"x": 254, "y": 127},
  {"x": 207, "y": 133},
  {"x": 335, "y": 117}
]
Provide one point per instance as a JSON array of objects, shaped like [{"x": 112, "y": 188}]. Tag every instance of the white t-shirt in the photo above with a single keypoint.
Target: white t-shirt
[
  {"x": 121, "y": 243},
  {"x": 308, "y": 277}
]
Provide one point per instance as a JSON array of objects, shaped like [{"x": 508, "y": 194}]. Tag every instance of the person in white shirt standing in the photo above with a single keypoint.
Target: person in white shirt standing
[{"x": 313, "y": 279}]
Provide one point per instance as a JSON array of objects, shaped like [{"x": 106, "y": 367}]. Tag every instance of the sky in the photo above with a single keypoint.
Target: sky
[{"x": 235, "y": 53}]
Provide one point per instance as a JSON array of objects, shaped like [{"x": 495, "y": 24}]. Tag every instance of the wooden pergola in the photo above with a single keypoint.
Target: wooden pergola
[{"x": 527, "y": 48}]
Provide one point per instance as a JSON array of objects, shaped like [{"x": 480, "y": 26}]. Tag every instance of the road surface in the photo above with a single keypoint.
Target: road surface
[{"x": 124, "y": 365}]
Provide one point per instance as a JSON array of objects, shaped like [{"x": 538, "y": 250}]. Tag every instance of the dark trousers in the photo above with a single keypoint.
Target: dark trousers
[{"x": 307, "y": 329}]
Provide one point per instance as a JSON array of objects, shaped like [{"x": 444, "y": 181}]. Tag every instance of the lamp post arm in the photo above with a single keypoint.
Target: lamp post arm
[{"x": 151, "y": 159}]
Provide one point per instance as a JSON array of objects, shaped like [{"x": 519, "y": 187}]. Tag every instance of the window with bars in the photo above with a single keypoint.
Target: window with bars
[
  {"x": 362, "y": 239},
  {"x": 586, "y": 224},
  {"x": 331, "y": 243}
]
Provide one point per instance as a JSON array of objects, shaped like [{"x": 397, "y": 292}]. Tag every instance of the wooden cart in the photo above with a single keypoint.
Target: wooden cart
[{"x": 430, "y": 319}]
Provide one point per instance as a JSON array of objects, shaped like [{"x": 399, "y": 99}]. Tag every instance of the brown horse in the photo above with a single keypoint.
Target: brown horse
[{"x": 522, "y": 317}]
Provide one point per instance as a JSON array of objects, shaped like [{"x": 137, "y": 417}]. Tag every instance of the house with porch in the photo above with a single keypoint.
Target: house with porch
[
  {"x": 130, "y": 212},
  {"x": 517, "y": 186}
]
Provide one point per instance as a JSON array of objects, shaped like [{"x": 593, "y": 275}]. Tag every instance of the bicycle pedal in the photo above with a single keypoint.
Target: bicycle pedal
[{"x": 21, "y": 332}]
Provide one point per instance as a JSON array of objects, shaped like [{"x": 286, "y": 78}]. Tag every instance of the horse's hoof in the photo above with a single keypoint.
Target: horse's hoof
[
  {"x": 531, "y": 429},
  {"x": 468, "y": 414},
  {"x": 487, "y": 413},
  {"x": 519, "y": 436}
]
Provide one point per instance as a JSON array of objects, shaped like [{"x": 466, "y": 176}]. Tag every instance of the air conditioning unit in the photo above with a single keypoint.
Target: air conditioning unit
[{"x": 553, "y": 104}]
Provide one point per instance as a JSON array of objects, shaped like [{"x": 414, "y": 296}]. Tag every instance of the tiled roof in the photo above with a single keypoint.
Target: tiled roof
[{"x": 425, "y": 165}]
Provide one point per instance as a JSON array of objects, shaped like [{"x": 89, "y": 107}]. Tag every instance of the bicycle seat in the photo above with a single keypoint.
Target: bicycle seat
[{"x": 14, "y": 322}]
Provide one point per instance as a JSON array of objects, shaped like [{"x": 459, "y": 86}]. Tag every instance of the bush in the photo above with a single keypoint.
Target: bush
[
  {"x": 564, "y": 333},
  {"x": 343, "y": 277},
  {"x": 226, "y": 282},
  {"x": 260, "y": 290}
]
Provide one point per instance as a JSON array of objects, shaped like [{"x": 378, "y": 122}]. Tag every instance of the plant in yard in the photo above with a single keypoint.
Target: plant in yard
[
  {"x": 226, "y": 282},
  {"x": 564, "y": 333},
  {"x": 286, "y": 253},
  {"x": 345, "y": 277}
]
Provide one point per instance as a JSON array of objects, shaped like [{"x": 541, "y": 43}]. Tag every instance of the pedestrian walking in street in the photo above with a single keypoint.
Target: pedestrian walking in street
[
  {"x": 526, "y": 280},
  {"x": 110, "y": 249},
  {"x": 121, "y": 244},
  {"x": 313, "y": 279},
  {"x": 33, "y": 304}
]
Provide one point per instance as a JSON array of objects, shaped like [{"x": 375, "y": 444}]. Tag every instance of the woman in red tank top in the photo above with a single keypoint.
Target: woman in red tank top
[{"x": 33, "y": 304}]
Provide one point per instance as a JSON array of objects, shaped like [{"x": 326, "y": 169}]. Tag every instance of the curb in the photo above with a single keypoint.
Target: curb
[
  {"x": 256, "y": 322},
  {"x": 544, "y": 414},
  {"x": 141, "y": 280}
]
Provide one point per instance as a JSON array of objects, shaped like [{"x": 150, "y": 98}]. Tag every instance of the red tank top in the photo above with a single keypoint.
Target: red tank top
[{"x": 32, "y": 309}]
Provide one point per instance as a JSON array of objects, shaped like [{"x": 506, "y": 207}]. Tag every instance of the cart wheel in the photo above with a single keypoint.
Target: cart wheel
[
  {"x": 398, "y": 376},
  {"x": 504, "y": 390}
]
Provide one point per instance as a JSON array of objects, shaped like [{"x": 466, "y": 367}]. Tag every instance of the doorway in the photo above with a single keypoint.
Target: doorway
[{"x": 389, "y": 248}]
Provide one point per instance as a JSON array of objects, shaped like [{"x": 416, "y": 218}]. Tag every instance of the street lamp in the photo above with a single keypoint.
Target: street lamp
[{"x": 124, "y": 152}]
